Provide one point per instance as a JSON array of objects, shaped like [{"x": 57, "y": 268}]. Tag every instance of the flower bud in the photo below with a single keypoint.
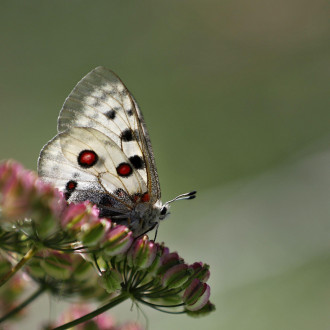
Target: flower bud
[
  {"x": 117, "y": 240},
  {"x": 14, "y": 198},
  {"x": 93, "y": 233},
  {"x": 176, "y": 276},
  {"x": 24, "y": 196},
  {"x": 196, "y": 295},
  {"x": 200, "y": 271},
  {"x": 6, "y": 168},
  {"x": 142, "y": 253},
  {"x": 169, "y": 260},
  {"x": 153, "y": 269},
  {"x": 77, "y": 215}
]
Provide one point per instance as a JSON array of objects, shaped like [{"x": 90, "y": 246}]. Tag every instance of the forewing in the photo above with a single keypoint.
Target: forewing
[{"x": 101, "y": 101}]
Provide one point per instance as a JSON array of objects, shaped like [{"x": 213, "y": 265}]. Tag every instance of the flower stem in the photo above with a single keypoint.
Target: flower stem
[
  {"x": 27, "y": 301},
  {"x": 19, "y": 265},
  {"x": 156, "y": 305},
  {"x": 115, "y": 301},
  {"x": 162, "y": 310}
]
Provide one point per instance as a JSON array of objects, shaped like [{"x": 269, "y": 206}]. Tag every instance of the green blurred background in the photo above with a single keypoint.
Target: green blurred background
[{"x": 236, "y": 98}]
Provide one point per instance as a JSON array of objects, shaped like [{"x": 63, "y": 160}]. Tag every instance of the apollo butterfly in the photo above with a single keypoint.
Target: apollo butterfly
[{"x": 102, "y": 153}]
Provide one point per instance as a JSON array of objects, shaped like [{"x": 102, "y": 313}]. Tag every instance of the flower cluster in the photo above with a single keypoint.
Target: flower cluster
[
  {"x": 24, "y": 196},
  {"x": 67, "y": 248},
  {"x": 161, "y": 279}
]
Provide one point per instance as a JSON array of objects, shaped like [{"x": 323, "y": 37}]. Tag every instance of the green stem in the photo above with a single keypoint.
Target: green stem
[
  {"x": 17, "y": 309},
  {"x": 135, "y": 279},
  {"x": 19, "y": 265},
  {"x": 166, "y": 292},
  {"x": 156, "y": 305},
  {"x": 115, "y": 301},
  {"x": 159, "y": 309},
  {"x": 130, "y": 276},
  {"x": 146, "y": 286}
]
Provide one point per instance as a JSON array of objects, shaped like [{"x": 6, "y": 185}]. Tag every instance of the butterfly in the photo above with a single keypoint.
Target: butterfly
[{"x": 102, "y": 153}]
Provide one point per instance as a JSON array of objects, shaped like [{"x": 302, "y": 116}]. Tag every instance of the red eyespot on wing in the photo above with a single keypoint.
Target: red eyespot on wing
[
  {"x": 87, "y": 158},
  {"x": 71, "y": 185},
  {"x": 145, "y": 198},
  {"x": 124, "y": 169},
  {"x": 69, "y": 189}
]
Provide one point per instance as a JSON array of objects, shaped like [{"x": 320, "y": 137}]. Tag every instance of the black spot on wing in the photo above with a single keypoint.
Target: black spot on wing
[
  {"x": 67, "y": 195},
  {"x": 111, "y": 114},
  {"x": 137, "y": 162},
  {"x": 127, "y": 135},
  {"x": 130, "y": 112}
]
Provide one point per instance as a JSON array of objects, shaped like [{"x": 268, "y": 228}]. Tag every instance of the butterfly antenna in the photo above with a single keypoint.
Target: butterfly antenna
[{"x": 190, "y": 195}]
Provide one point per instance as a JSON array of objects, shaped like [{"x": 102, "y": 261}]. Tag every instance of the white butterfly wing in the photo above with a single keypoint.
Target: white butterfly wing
[
  {"x": 107, "y": 166},
  {"x": 61, "y": 162},
  {"x": 54, "y": 168},
  {"x": 102, "y": 102}
]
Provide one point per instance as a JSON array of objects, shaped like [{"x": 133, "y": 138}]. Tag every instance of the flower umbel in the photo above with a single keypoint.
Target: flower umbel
[{"x": 68, "y": 249}]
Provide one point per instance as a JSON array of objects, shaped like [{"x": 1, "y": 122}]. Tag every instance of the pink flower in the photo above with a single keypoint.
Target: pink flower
[
  {"x": 142, "y": 253},
  {"x": 23, "y": 195},
  {"x": 197, "y": 295},
  {"x": 201, "y": 271},
  {"x": 117, "y": 240},
  {"x": 77, "y": 215},
  {"x": 93, "y": 257}
]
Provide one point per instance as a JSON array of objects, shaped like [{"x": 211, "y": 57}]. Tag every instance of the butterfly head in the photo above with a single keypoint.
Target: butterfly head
[
  {"x": 164, "y": 212},
  {"x": 164, "y": 209}
]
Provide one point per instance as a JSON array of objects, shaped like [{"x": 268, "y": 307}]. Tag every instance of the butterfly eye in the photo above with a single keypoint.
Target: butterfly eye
[{"x": 163, "y": 210}]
